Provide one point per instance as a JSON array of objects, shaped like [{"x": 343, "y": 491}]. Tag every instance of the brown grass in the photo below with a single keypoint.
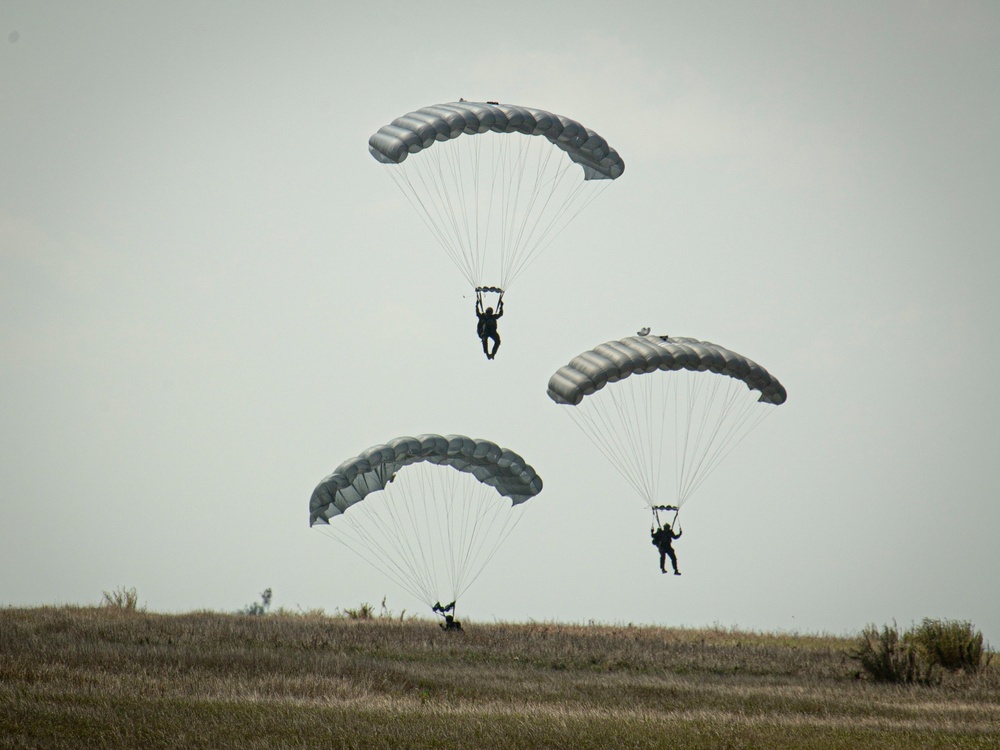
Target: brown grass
[{"x": 110, "y": 678}]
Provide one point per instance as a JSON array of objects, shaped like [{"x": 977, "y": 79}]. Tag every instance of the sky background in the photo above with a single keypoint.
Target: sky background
[{"x": 210, "y": 297}]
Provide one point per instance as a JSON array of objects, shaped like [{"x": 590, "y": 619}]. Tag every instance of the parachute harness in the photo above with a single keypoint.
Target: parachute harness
[{"x": 471, "y": 189}]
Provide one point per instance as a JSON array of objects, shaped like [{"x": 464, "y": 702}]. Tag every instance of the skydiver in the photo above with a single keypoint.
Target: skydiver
[
  {"x": 663, "y": 541},
  {"x": 450, "y": 623},
  {"x": 486, "y": 328}
]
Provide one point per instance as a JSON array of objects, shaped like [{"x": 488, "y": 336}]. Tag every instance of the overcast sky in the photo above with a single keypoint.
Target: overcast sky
[{"x": 210, "y": 297}]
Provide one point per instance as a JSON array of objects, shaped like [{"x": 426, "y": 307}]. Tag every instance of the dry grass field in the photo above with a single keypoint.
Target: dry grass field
[{"x": 103, "y": 677}]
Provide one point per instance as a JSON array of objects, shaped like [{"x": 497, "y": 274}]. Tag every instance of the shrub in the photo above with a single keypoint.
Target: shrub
[
  {"x": 126, "y": 600},
  {"x": 363, "y": 611},
  {"x": 259, "y": 608},
  {"x": 952, "y": 645},
  {"x": 366, "y": 611},
  {"x": 891, "y": 656}
]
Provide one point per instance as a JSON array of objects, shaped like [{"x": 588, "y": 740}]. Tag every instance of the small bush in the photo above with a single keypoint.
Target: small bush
[
  {"x": 363, "y": 611},
  {"x": 883, "y": 655},
  {"x": 952, "y": 645},
  {"x": 261, "y": 607},
  {"x": 889, "y": 655},
  {"x": 366, "y": 611},
  {"x": 126, "y": 600}
]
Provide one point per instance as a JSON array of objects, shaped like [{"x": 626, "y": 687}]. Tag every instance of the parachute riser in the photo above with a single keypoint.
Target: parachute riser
[
  {"x": 481, "y": 290},
  {"x": 442, "y": 610},
  {"x": 656, "y": 514}
]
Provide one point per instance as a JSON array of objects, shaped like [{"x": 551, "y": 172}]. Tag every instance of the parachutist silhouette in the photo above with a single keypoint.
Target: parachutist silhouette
[
  {"x": 450, "y": 623},
  {"x": 486, "y": 328},
  {"x": 662, "y": 540}
]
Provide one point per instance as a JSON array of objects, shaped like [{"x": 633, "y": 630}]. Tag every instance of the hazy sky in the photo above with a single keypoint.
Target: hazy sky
[{"x": 210, "y": 297}]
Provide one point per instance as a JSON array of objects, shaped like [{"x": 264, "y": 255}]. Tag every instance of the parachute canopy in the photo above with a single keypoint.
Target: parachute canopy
[
  {"x": 617, "y": 360},
  {"x": 356, "y": 478},
  {"x": 428, "y": 511},
  {"x": 419, "y": 130},
  {"x": 492, "y": 197},
  {"x": 656, "y": 405}
]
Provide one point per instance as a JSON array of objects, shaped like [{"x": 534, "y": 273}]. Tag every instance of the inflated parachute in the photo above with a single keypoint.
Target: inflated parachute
[
  {"x": 659, "y": 407},
  {"x": 428, "y": 511},
  {"x": 494, "y": 201}
]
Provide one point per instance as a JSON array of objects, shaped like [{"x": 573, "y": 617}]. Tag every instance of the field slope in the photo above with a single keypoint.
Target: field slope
[{"x": 106, "y": 678}]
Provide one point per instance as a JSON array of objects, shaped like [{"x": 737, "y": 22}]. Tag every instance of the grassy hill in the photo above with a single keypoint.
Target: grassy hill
[{"x": 109, "y": 678}]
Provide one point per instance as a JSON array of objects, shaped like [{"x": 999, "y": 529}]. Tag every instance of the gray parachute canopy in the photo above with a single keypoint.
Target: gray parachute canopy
[
  {"x": 678, "y": 425},
  {"x": 356, "y": 478},
  {"x": 616, "y": 360},
  {"x": 420, "y": 129}
]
